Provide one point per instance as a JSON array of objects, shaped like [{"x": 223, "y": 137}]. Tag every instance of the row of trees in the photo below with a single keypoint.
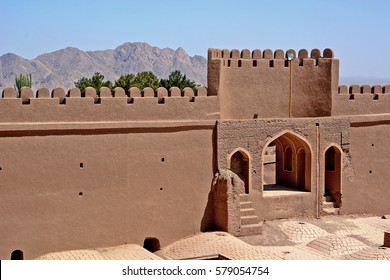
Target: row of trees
[{"x": 140, "y": 80}]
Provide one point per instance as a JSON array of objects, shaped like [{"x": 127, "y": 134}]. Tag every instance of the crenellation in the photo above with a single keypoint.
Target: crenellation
[
  {"x": 26, "y": 94},
  {"x": 201, "y": 91},
  {"x": 214, "y": 53},
  {"x": 365, "y": 89},
  {"x": 376, "y": 89},
  {"x": 256, "y": 54},
  {"x": 119, "y": 92},
  {"x": 303, "y": 53},
  {"x": 361, "y": 100},
  {"x": 105, "y": 92},
  {"x": 74, "y": 92},
  {"x": 60, "y": 94},
  {"x": 225, "y": 53},
  {"x": 237, "y": 59},
  {"x": 90, "y": 92},
  {"x": 293, "y": 52},
  {"x": 134, "y": 92},
  {"x": 8, "y": 93},
  {"x": 328, "y": 53},
  {"x": 246, "y": 59},
  {"x": 315, "y": 54},
  {"x": 43, "y": 93},
  {"x": 343, "y": 89},
  {"x": 174, "y": 92},
  {"x": 147, "y": 92},
  {"x": 161, "y": 93},
  {"x": 279, "y": 54},
  {"x": 188, "y": 92},
  {"x": 235, "y": 54},
  {"x": 245, "y": 54},
  {"x": 354, "y": 89},
  {"x": 267, "y": 54}
]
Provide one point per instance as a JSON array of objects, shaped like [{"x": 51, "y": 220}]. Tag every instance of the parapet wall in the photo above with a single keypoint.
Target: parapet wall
[
  {"x": 268, "y": 54},
  {"x": 257, "y": 83},
  {"x": 135, "y": 105},
  {"x": 361, "y": 100}
]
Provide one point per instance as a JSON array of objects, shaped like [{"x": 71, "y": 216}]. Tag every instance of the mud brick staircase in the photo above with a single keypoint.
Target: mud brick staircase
[
  {"x": 328, "y": 206},
  {"x": 250, "y": 223}
]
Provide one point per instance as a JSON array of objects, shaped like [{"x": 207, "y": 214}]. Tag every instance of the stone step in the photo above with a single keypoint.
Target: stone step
[
  {"x": 246, "y": 204},
  {"x": 330, "y": 211},
  {"x": 327, "y": 205},
  {"x": 247, "y": 220},
  {"x": 244, "y": 197},
  {"x": 252, "y": 229},
  {"x": 247, "y": 212}
]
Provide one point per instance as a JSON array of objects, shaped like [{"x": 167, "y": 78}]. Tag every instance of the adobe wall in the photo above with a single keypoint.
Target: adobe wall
[
  {"x": 253, "y": 136},
  {"x": 361, "y": 100},
  {"x": 257, "y": 84},
  {"x": 367, "y": 188},
  {"x": 95, "y": 184},
  {"x": 135, "y": 105}
]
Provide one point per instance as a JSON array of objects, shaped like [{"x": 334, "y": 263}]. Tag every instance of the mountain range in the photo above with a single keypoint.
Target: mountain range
[{"x": 63, "y": 67}]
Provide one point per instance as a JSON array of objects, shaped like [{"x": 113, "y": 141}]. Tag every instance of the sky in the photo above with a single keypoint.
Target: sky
[{"x": 358, "y": 31}]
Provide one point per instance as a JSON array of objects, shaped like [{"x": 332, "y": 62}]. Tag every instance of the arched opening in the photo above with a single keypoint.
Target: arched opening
[
  {"x": 17, "y": 255},
  {"x": 239, "y": 164},
  {"x": 287, "y": 164},
  {"x": 330, "y": 159},
  {"x": 152, "y": 244},
  {"x": 333, "y": 175},
  {"x": 269, "y": 159},
  {"x": 288, "y": 159},
  {"x": 301, "y": 169}
]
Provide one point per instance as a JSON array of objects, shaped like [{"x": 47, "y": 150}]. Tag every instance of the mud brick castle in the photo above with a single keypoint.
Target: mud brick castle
[{"x": 273, "y": 136}]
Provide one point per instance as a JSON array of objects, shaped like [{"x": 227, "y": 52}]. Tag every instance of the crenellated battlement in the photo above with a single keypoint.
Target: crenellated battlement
[
  {"x": 361, "y": 100},
  {"x": 364, "y": 89},
  {"x": 26, "y": 93},
  {"x": 267, "y": 57},
  {"x": 106, "y": 105}
]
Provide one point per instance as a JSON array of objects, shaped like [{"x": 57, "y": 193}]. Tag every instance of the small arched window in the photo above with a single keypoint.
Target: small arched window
[
  {"x": 152, "y": 244},
  {"x": 330, "y": 159},
  {"x": 288, "y": 158},
  {"x": 17, "y": 255}
]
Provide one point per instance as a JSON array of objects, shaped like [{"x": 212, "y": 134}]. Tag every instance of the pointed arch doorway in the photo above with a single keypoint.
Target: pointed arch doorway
[
  {"x": 239, "y": 164},
  {"x": 333, "y": 175},
  {"x": 287, "y": 161}
]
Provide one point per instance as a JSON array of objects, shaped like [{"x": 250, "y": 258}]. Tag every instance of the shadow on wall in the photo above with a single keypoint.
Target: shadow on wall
[{"x": 207, "y": 223}]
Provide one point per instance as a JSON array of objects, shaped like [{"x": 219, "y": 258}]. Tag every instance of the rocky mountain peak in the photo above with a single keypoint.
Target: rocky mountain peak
[{"x": 63, "y": 67}]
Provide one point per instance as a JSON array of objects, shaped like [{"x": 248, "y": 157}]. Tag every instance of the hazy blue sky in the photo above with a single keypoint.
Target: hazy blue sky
[{"x": 358, "y": 31}]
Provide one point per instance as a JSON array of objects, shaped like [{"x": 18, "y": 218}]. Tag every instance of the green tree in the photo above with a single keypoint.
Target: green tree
[
  {"x": 177, "y": 79},
  {"x": 145, "y": 79},
  {"x": 97, "y": 81},
  {"x": 125, "y": 81},
  {"x": 22, "y": 81}
]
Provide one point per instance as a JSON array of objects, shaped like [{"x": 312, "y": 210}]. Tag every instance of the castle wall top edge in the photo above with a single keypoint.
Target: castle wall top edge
[
  {"x": 215, "y": 53},
  {"x": 104, "y": 92}
]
